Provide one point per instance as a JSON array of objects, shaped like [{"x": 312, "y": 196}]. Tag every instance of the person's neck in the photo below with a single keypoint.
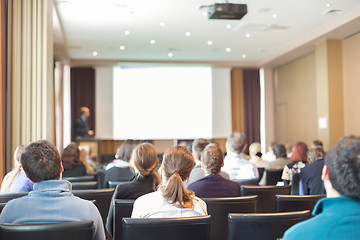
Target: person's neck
[{"x": 330, "y": 191}]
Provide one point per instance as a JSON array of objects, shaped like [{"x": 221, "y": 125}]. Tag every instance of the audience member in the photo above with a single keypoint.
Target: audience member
[
  {"x": 171, "y": 200},
  {"x": 280, "y": 162},
  {"x": 81, "y": 126},
  {"x": 213, "y": 185},
  {"x": 70, "y": 159},
  {"x": 84, "y": 156},
  {"x": 16, "y": 180},
  {"x": 234, "y": 165},
  {"x": 316, "y": 143},
  {"x": 269, "y": 156},
  {"x": 255, "y": 155},
  {"x": 144, "y": 162},
  {"x": 299, "y": 159},
  {"x": 338, "y": 215},
  {"x": 52, "y": 200},
  {"x": 197, "y": 172},
  {"x": 310, "y": 175},
  {"x": 289, "y": 149}
]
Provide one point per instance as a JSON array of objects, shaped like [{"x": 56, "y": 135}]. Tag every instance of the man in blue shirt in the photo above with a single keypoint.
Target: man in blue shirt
[
  {"x": 52, "y": 200},
  {"x": 338, "y": 215}
]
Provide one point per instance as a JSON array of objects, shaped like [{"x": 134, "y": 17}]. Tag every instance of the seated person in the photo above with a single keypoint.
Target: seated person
[
  {"x": 171, "y": 200},
  {"x": 269, "y": 156},
  {"x": 280, "y": 162},
  {"x": 299, "y": 160},
  {"x": 16, "y": 180},
  {"x": 52, "y": 200},
  {"x": 197, "y": 172},
  {"x": 70, "y": 159},
  {"x": 119, "y": 168},
  {"x": 338, "y": 215},
  {"x": 255, "y": 155},
  {"x": 144, "y": 162},
  {"x": 310, "y": 176},
  {"x": 83, "y": 157},
  {"x": 234, "y": 165},
  {"x": 213, "y": 185}
]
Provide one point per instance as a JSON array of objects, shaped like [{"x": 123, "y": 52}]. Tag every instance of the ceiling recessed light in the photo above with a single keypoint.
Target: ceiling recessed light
[
  {"x": 228, "y": 49},
  {"x": 122, "y": 47},
  {"x": 328, "y": 5},
  {"x": 204, "y": 14},
  {"x": 247, "y": 35},
  {"x": 187, "y": 34},
  {"x": 170, "y": 54},
  {"x": 94, "y": 53},
  {"x": 243, "y": 55},
  {"x": 209, "y": 42},
  {"x": 228, "y": 26},
  {"x": 127, "y": 32},
  {"x": 274, "y": 15},
  {"x": 152, "y": 41},
  {"x": 162, "y": 24}
]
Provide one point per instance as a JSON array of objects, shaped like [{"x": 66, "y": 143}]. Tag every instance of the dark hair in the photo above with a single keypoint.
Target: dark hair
[
  {"x": 237, "y": 142},
  {"x": 343, "y": 162},
  {"x": 125, "y": 150},
  {"x": 176, "y": 166},
  {"x": 300, "y": 152},
  {"x": 198, "y": 146},
  {"x": 41, "y": 161},
  {"x": 213, "y": 158},
  {"x": 317, "y": 143},
  {"x": 144, "y": 159},
  {"x": 70, "y": 156},
  {"x": 273, "y": 145},
  {"x": 280, "y": 151}
]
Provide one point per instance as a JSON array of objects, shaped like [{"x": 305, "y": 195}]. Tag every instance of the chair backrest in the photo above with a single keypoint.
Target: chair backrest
[
  {"x": 5, "y": 197},
  {"x": 290, "y": 203},
  {"x": 122, "y": 209},
  {"x": 86, "y": 178},
  {"x": 261, "y": 172},
  {"x": 113, "y": 184},
  {"x": 266, "y": 196},
  {"x": 263, "y": 226},
  {"x": 247, "y": 182},
  {"x": 295, "y": 184},
  {"x": 117, "y": 174},
  {"x": 82, "y": 230},
  {"x": 102, "y": 199},
  {"x": 273, "y": 176},
  {"x": 84, "y": 185},
  {"x": 193, "y": 228},
  {"x": 219, "y": 208},
  {"x": 2, "y": 205}
]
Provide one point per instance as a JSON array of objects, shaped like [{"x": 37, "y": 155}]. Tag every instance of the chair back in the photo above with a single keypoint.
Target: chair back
[
  {"x": 193, "y": 228},
  {"x": 7, "y": 196},
  {"x": 87, "y": 178},
  {"x": 2, "y": 205},
  {"x": 273, "y": 176},
  {"x": 291, "y": 203},
  {"x": 295, "y": 184},
  {"x": 219, "y": 208},
  {"x": 82, "y": 230},
  {"x": 261, "y": 172},
  {"x": 84, "y": 185},
  {"x": 266, "y": 196},
  {"x": 247, "y": 182},
  {"x": 263, "y": 226},
  {"x": 113, "y": 184},
  {"x": 102, "y": 199},
  {"x": 123, "y": 208}
]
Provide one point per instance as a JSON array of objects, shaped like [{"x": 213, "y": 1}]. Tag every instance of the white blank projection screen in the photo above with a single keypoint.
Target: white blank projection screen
[{"x": 163, "y": 103}]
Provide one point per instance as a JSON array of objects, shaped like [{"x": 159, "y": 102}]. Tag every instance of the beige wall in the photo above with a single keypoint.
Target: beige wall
[
  {"x": 295, "y": 101},
  {"x": 351, "y": 79}
]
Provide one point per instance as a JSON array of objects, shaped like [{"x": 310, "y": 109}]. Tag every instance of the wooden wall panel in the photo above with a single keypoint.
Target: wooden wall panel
[{"x": 237, "y": 100}]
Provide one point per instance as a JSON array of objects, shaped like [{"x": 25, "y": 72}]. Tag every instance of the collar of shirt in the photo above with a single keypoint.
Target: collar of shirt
[
  {"x": 51, "y": 188},
  {"x": 340, "y": 206},
  {"x": 83, "y": 119}
]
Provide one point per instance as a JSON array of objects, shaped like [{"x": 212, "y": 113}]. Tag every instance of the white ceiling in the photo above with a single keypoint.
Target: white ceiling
[{"x": 99, "y": 25}]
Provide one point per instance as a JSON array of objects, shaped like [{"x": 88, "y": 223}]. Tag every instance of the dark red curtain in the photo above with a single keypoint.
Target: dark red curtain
[
  {"x": 251, "y": 84},
  {"x": 82, "y": 95}
]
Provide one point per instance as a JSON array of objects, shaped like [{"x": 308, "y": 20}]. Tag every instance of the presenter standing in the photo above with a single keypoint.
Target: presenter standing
[{"x": 81, "y": 126}]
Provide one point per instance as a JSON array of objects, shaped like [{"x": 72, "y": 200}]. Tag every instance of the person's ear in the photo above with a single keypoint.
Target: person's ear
[
  {"x": 244, "y": 148},
  {"x": 202, "y": 165},
  {"x": 61, "y": 167},
  {"x": 222, "y": 164},
  {"x": 325, "y": 173}
]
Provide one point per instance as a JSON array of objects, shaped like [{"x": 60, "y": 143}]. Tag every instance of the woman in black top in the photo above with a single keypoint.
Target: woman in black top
[{"x": 144, "y": 162}]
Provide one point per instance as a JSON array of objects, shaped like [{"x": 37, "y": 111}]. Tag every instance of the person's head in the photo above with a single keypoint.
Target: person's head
[
  {"x": 70, "y": 156},
  {"x": 316, "y": 143},
  {"x": 83, "y": 157},
  {"x": 255, "y": 149},
  {"x": 5, "y": 186},
  {"x": 272, "y": 146},
  {"x": 300, "y": 152},
  {"x": 176, "y": 167},
  {"x": 84, "y": 112},
  {"x": 144, "y": 161},
  {"x": 289, "y": 149},
  {"x": 17, "y": 155},
  {"x": 124, "y": 151},
  {"x": 212, "y": 159},
  {"x": 316, "y": 153},
  {"x": 342, "y": 168},
  {"x": 236, "y": 142},
  {"x": 41, "y": 161},
  {"x": 280, "y": 151},
  {"x": 198, "y": 146}
]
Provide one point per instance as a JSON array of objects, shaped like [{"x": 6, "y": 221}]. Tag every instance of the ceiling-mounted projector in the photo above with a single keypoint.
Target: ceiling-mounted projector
[{"x": 227, "y": 11}]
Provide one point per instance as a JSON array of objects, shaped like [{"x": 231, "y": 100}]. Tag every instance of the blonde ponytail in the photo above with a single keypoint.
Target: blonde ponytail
[{"x": 10, "y": 177}]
